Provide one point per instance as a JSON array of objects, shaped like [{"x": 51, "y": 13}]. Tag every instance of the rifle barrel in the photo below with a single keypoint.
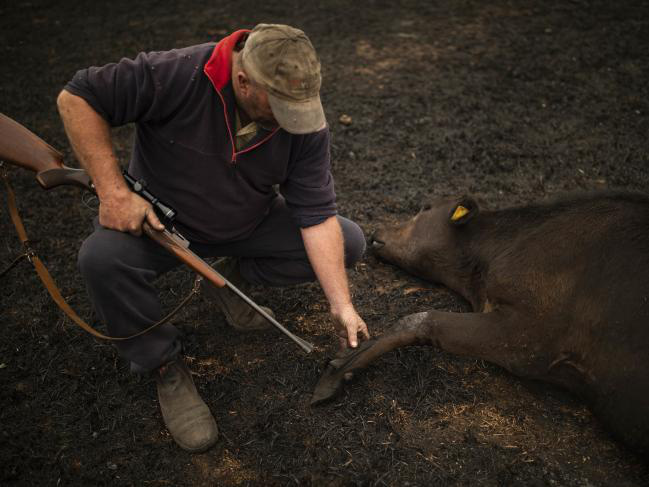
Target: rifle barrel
[{"x": 306, "y": 346}]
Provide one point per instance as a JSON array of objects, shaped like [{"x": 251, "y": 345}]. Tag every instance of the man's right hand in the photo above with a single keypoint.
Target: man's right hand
[{"x": 125, "y": 211}]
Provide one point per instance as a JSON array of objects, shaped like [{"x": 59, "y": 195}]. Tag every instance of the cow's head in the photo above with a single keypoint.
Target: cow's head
[{"x": 430, "y": 244}]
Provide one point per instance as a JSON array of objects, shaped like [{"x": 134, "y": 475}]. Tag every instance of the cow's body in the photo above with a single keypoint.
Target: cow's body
[{"x": 560, "y": 293}]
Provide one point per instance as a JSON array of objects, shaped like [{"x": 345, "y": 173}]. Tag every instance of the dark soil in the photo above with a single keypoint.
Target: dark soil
[{"x": 511, "y": 101}]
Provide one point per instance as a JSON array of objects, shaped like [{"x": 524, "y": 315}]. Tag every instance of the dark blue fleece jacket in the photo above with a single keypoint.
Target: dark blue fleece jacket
[{"x": 182, "y": 103}]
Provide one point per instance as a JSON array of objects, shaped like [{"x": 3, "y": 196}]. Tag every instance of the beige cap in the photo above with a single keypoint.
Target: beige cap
[{"x": 283, "y": 60}]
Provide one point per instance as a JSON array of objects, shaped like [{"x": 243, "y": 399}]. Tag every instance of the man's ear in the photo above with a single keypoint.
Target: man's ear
[
  {"x": 464, "y": 210},
  {"x": 243, "y": 81}
]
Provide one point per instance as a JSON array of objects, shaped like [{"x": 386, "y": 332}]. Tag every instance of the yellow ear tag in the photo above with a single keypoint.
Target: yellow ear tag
[{"x": 460, "y": 211}]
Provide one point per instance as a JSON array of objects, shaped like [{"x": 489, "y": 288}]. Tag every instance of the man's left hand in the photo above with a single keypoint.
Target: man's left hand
[{"x": 348, "y": 324}]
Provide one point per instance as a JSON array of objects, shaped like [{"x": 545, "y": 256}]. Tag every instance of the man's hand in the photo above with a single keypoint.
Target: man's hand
[
  {"x": 125, "y": 211},
  {"x": 348, "y": 324}
]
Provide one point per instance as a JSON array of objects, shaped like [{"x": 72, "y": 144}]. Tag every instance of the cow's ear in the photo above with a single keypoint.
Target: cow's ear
[{"x": 463, "y": 211}]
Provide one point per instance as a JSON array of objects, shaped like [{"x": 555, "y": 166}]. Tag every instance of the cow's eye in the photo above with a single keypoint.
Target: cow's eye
[{"x": 426, "y": 207}]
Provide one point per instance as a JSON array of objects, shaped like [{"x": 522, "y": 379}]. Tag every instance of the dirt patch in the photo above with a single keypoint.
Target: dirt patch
[{"x": 508, "y": 102}]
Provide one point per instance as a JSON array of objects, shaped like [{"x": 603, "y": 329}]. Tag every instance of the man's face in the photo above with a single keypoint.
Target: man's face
[
  {"x": 263, "y": 113},
  {"x": 253, "y": 99}
]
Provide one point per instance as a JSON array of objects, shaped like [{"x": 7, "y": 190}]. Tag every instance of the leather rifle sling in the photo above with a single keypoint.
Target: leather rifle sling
[{"x": 53, "y": 290}]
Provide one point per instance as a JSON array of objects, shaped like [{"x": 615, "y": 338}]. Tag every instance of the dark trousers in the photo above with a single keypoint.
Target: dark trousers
[{"x": 119, "y": 270}]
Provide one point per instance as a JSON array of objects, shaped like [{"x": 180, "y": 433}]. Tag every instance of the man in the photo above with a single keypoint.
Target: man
[{"x": 218, "y": 127}]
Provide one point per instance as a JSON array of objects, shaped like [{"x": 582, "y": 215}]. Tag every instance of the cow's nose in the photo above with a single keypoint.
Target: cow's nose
[{"x": 375, "y": 242}]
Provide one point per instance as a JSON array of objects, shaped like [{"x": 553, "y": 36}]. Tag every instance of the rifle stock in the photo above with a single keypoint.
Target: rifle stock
[
  {"x": 20, "y": 146},
  {"x": 51, "y": 178}
]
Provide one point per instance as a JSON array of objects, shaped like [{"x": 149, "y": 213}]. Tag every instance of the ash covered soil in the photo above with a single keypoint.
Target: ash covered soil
[{"x": 510, "y": 101}]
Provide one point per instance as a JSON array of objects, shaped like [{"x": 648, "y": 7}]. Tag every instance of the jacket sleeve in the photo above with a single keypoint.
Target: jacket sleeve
[
  {"x": 126, "y": 91},
  {"x": 309, "y": 187}
]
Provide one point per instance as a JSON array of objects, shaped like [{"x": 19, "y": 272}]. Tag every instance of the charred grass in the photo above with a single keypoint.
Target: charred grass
[{"x": 511, "y": 101}]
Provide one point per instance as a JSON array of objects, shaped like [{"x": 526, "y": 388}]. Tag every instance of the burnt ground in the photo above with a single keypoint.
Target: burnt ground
[{"x": 512, "y": 101}]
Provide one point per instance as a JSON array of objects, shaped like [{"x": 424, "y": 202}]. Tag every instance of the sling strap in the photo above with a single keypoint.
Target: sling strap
[{"x": 50, "y": 285}]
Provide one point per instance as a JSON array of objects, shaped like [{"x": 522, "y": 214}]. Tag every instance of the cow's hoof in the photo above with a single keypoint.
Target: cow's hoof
[{"x": 337, "y": 371}]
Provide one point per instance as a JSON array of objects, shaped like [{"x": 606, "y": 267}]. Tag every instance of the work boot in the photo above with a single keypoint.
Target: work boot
[
  {"x": 186, "y": 415},
  {"x": 239, "y": 314}
]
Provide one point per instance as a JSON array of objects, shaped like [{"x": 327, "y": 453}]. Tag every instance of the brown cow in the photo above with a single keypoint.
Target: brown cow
[{"x": 559, "y": 291}]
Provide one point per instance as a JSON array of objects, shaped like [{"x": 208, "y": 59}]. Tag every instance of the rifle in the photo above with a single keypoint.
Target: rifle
[{"x": 21, "y": 147}]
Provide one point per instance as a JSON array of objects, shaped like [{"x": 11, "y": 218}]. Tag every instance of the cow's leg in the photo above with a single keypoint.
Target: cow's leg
[{"x": 480, "y": 335}]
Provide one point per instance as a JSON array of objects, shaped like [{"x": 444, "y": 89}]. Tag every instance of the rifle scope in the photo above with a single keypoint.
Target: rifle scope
[{"x": 139, "y": 187}]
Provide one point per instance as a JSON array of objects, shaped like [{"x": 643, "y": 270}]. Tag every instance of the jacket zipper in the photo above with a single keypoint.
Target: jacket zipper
[
  {"x": 227, "y": 124},
  {"x": 233, "y": 160}
]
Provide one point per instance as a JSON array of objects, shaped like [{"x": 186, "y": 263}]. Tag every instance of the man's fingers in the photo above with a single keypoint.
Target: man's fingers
[
  {"x": 352, "y": 330},
  {"x": 365, "y": 332},
  {"x": 153, "y": 220},
  {"x": 129, "y": 216},
  {"x": 348, "y": 328},
  {"x": 135, "y": 230}
]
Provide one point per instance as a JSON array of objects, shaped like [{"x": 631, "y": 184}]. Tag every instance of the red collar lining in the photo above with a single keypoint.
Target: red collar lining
[{"x": 219, "y": 67}]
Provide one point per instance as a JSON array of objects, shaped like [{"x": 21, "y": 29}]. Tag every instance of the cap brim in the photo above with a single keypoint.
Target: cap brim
[{"x": 298, "y": 117}]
